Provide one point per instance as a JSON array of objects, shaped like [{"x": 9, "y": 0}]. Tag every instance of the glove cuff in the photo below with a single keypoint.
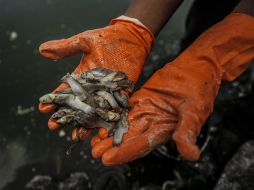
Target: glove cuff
[
  {"x": 143, "y": 32},
  {"x": 134, "y": 20}
]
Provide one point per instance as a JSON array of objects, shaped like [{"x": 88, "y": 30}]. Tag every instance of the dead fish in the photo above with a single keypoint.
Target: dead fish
[
  {"x": 110, "y": 85},
  {"x": 108, "y": 115},
  {"x": 67, "y": 99},
  {"x": 114, "y": 76},
  {"x": 122, "y": 127},
  {"x": 75, "y": 86},
  {"x": 126, "y": 84},
  {"x": 110, "y": 98},
  {"x": 92, "y": 121},
  {"x": 76, "y": 103},
  {"x": 102, "y": 75},
  {"x": 121, "y": 98},
  {"x": 95, "y": 74},
  {"x": 118, "y": 85},
  {"x": 54, "y": 98},
  {"x": 79, "y": 79},
  {"x": 61, "y": 112},
  {"x": 65, "y": 119},
  {"x": 94, "y": 87},
  {"x": 101, "y": 102},
  {"x": 78, "y": 90},
  {"x": 100, "y": 72}
]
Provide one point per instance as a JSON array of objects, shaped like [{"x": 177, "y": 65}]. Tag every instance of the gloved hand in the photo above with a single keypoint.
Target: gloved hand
[
  {"x": 122, "y": 46},
  {"x": 176, "y": 101}
]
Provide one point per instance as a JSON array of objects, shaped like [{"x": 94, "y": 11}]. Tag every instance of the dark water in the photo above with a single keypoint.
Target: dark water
[{"x": 27, "y": 147}]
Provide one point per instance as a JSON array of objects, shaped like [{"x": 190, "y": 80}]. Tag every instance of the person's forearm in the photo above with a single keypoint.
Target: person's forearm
[
  {"x": 245, "y": 6},
  {"x": 153, "y": 13}
]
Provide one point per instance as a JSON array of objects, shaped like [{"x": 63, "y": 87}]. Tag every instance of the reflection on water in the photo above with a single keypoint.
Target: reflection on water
[{"x": 27, "y": 146}]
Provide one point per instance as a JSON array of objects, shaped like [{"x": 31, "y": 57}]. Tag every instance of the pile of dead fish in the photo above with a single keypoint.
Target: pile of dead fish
[{"x": 96, "y": 98}]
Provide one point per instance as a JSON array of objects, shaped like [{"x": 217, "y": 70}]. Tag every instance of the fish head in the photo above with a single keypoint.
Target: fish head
[
  {"x": 62, "y": 120},
  {"x": 65, "y": 77},
  {"x": 46, "y": 99},
  {"x": 119, "y": 76},
  {"x": 100, "y": 72},
  {"x": 61, "y": 112},
  {"x": 57, "y": 114},
  {"x": 54, "y": 98},
  {"x": 90, "y": 77},
  {"x": 60, "y": 98}
]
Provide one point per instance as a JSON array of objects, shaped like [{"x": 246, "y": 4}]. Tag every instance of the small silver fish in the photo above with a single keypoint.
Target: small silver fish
[
  {"x": 91, "y": 88},
  {"x": 113, "y": 77},
  {"x": 110, "y": 85},
  {"x": 74, "y": 84},
  {"x": 121, "y": 98},
  {"x": 54, "y": 98},
  {"x": 92, "y": 121},
  {"x": 99, "y": 72},
  {"x": 118, "y": 85},
  {"x": 67, "y": 99},
  {"x": 95, "y": 74},
  {"x": 101, "y": 102},
  {"x": 65, "y": 119},
  {"x": 61, "y": 112},
  {"x": 79, "y": 78},
  {"x": 110, "y": 98},
  {"x": 122, "y": 127},
  {"x": 126, "y": 84},
  {"x": 78, "y": 90},
  {"x": 108, "y": 115}
]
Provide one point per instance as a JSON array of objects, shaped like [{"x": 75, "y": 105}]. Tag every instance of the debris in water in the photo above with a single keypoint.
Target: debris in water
[
  {"x": 13, "y": 36},
  {"x": 61, "y": 133},
  {"x": 23, "y": 111}
]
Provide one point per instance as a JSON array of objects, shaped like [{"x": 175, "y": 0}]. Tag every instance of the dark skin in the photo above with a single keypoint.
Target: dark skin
[
  {"x": 154, "y": 14},
  {"x": 245, "y": 6}
]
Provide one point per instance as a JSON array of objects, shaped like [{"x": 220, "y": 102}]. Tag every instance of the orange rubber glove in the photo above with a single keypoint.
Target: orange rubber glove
[
  {"x": 122, "y": 46},
  {"x": 176, "y": 101}
]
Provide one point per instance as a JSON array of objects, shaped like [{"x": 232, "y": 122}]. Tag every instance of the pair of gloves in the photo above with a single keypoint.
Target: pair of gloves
[{"x": 176, "y": 101}]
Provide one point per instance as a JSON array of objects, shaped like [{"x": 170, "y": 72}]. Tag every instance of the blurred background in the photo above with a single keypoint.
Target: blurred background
[{"x": 32, "y": 157}]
